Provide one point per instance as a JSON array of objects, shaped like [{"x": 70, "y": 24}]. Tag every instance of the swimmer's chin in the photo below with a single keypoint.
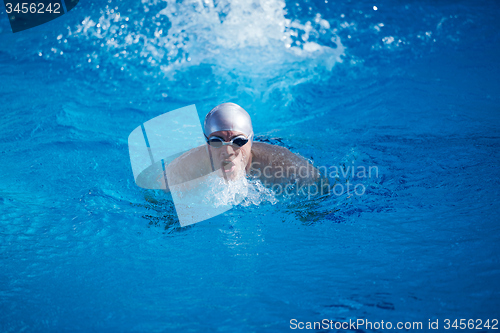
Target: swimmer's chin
[{"x": 233, "y": 176}]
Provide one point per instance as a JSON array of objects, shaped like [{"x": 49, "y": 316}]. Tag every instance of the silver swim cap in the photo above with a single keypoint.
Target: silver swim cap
[{"x": 228, "y": 117}]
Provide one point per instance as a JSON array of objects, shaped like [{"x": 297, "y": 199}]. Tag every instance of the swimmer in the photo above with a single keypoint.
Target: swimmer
[{"x": 233, "y": 154}]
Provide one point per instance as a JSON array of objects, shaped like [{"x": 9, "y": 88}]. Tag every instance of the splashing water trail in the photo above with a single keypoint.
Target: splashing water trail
[
  {"x": 229, "y": 34},
  {"x": 242, "y": 191}
]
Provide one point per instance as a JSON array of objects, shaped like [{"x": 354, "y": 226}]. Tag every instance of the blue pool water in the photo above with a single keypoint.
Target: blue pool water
[{"x": 412, "y": 89}]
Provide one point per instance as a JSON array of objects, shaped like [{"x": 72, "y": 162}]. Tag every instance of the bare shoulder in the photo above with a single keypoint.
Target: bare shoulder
[
  {"x": 280, "y": 165},
  {"x": 190, "y": 165},
  {"x": 264, "y": 152}
]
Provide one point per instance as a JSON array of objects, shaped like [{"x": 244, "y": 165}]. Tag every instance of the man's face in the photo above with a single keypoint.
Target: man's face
[{"x": 231, "y": 159}]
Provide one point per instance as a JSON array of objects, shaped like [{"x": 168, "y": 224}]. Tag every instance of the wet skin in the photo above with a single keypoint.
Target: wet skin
[
  {"x": 234, "y": 161},
  {"x": 271, "y": 164}
]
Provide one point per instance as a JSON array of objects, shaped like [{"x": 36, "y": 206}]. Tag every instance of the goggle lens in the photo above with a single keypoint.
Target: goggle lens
[
  {"x": 217, "y": 142},
  {"x": 240, "y": 141}
]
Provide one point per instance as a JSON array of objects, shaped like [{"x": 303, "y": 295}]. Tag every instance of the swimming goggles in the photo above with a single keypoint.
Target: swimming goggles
[{"x": 238, "y": 141}]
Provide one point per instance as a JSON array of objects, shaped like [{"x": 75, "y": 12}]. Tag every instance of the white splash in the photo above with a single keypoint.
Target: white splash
[
  {"x": 240, "y": 191},
  {"x": 233, "y": 35}
]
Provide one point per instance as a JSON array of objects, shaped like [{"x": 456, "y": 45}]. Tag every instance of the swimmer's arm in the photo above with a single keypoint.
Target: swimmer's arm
[
  {"x": 189, "y": 166},
  {"x": 306, "y": 174},
  {"x": 181, "y": 170},
  {"x": 286, "y": 167}
]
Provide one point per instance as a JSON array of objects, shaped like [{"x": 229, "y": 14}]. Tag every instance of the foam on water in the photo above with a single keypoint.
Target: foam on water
[
  {"x": 250, "y": 36},
  {"x": 242, "y": 191}
]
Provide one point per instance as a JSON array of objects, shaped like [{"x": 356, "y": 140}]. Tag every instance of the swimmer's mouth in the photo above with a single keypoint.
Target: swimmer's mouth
[{"x": 228, "y": 166}]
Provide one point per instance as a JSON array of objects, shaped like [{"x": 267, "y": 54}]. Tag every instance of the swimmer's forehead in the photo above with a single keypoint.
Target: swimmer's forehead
[
  {"x": 227, "y": 135},
  {"x": 228, "y": 117}
]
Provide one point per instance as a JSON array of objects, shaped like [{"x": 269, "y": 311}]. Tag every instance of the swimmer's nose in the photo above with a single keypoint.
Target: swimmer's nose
[{"x": 228, "y": 151}]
